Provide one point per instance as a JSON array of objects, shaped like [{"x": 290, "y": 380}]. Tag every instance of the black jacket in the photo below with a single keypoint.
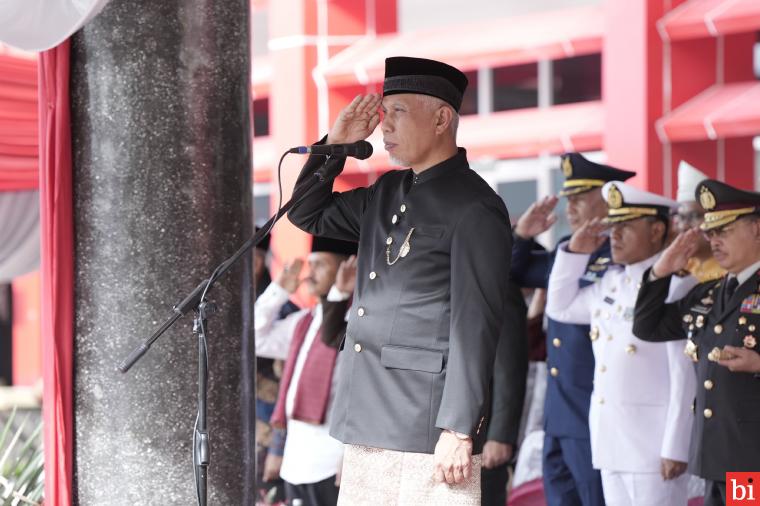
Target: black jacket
[
  {"x": 725, "y": 435},
  {"x": 422, "y": 333}
]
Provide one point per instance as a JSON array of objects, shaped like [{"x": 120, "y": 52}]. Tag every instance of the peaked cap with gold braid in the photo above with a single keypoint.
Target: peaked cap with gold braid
[
  {"x": 626, "y": 202},
  {"x": 724, "y": 204},
  {"x": 582, "y": 175}
]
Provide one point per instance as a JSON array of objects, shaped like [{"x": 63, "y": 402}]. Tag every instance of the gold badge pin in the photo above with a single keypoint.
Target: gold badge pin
[
  {"x": 750, "y": 341},
  {"x": 742, "y": 320},
  {"x": 567, "y": 166},
  {"x": 706, "y": 198},
  {"x": 691, "y": 350},
  {"x": 714, "y": 354},
  {"x": 614, "y": 197}
]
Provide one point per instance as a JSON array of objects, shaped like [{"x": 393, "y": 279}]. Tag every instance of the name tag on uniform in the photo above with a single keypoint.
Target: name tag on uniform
[
  {"x": 609, "y": 300},
  {"x": 701, "y": 309}
]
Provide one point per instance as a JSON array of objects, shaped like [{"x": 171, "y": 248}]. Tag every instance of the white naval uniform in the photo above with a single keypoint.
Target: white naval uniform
[{"x": 641, "y": 404}]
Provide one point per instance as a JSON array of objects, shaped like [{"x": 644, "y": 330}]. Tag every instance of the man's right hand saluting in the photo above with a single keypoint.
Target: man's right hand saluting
[
  {"x": 676, "y": 256},
  {"x": 538, "y": 218},
  {"x": 357, "y": 120},
  {"x": 589, "y": 237}
]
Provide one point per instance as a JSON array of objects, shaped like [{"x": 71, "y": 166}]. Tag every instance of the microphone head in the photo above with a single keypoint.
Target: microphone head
[{"x": 363, "y": 150}]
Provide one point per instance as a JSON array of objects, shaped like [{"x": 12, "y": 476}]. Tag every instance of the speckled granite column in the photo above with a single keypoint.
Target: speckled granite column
[{"x": 162, "y": 194}]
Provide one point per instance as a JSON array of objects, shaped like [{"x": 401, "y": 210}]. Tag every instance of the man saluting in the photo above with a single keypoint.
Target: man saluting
[
  {"x": 719, "y": 321},
  {"x": 434, "y": 249}
]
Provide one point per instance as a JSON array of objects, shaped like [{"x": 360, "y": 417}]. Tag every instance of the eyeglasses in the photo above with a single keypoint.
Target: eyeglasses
[{"x": 690, "y": 218}]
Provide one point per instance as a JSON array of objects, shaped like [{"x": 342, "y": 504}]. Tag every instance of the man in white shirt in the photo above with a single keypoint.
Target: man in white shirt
[
  {"x": 640, "y": 415},
  {"x": 311, "y": 458}
]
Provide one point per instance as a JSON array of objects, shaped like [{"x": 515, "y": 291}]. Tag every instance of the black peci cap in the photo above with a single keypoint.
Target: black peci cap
[
  {"x": 327, "y": 245},
  {"x": 404, "y": 74}
]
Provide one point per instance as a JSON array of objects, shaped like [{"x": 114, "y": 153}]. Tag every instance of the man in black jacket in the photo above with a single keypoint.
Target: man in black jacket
[
  {"x": 508, "y": 386},
  {"x": 428, "y": 309},
  {"x": 719, "y": 319}
]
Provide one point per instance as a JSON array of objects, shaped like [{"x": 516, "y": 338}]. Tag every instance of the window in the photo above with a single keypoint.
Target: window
[
  {"x": 261, "y": 212},
  {"x": 518, "y": 195},
  {"x": 470, "y": 99},
  {"x": 261, "y": 196},
  {"x": 561, "y": 227},
  {"x": 261, "y": 117},
  {"x": 515, "y": 87},
  {"x": 577, "y": 79}
]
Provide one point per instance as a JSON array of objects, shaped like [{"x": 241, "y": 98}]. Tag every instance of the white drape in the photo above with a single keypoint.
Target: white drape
[
  {"x": 19, "y": 234},
  {"x": 36, "y": 25}
]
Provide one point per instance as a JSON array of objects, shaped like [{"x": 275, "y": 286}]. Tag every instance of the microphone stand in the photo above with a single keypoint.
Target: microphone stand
[{"x": 195, "y": 301}]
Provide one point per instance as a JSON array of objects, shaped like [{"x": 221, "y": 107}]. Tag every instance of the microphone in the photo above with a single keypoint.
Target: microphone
[{"x": 358, "y": 149}]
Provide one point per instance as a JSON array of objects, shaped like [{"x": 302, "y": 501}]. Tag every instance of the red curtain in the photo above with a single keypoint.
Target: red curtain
[
  {"x": 18, "y": 120},
  {"x": 57, "y": 272}
]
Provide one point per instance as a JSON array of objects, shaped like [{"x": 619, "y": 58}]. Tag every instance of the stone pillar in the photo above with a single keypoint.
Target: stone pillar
[{"x": 162, "y": 157}]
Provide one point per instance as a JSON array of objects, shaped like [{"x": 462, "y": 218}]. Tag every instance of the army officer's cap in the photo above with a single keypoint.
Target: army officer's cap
[
  {"x": 626, "y": 202},
  {"x": 724, "y": 204},
  {"x": 582, "y": 175}
]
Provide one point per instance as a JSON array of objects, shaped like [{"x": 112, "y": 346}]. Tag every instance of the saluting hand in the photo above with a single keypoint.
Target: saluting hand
[
  {"x": 677, "y": 255},
  {"x": 289, "y": 277},
  {"x": 538, "y": 218},
  {"x": 742, "y": 360},
  {"x": 345, "y": 279},
  {"x": 357, "y": 120},
  {"x": 452, "y": 458},
  {"x": 589, "y": 237}
]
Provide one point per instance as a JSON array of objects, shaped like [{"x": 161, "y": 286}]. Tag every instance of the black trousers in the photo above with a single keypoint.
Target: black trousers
[
  {"x": 715, "y": 493},
  {"x": 321, "y": 493},
  {"x": 493, "y": 485}
]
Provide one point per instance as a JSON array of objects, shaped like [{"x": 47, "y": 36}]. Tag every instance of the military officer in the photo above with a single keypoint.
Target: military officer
[
  {"x": 569, "y": 477},
  {"x": 719, "y": 320},
  {"x": 432, "y": 277},
  {"x": 640, "y": 405}
]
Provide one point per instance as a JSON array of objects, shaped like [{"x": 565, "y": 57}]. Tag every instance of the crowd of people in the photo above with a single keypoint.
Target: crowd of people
[{"x": 406, "y": 382}]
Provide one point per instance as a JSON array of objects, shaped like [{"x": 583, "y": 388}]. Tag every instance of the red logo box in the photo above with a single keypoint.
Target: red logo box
[{"x": 743, "y": 489}]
